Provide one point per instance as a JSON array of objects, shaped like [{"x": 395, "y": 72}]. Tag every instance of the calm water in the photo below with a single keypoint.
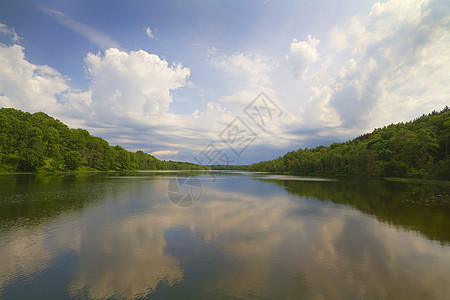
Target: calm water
[{"x": 250, "y": 236}]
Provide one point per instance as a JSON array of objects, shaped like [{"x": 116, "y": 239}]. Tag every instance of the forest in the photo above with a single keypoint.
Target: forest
[
  {"x": 416, "y": 149},
  {"x": 39, "y": 143}
]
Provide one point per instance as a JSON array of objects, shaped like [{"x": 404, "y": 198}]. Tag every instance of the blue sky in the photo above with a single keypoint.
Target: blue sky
[{"x": 169, "y": 77}]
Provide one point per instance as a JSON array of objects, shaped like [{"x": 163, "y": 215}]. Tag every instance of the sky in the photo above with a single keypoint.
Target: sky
[{"x": 229, "y": 82}]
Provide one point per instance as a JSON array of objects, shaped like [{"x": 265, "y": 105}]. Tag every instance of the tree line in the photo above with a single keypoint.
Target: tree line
[
  {"x": 37, "y": 142},
  {"x": 416, "y": 149}
]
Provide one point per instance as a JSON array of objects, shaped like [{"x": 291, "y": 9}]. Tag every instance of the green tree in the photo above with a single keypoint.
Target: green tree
[{"x": 72, "y": 160}]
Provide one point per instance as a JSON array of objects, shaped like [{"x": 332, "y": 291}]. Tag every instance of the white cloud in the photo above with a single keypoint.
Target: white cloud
[
  {"x": 249, "y": 75},
  {"x": 319, "y": 112},
  {"x": 10, "y": 32},
  {"x": 164, "y": 153},
  {"x": 241, "y": 98},
  {"x": 353, "y": 36},
  {"x": 95, "y": 36},
  {"x": 132, "y": 85},
  {"x": 33, "y": 88},
  {"x": 27, "y": 86},
  {"x": 394, "y": 67},
  {"x": 250, "y": 68},
  {"x": 302, "y": 55},
  {"x": 149, "y": 33}
]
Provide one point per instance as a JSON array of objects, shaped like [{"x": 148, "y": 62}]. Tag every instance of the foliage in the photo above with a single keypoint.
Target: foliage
[
  {"x": 37, "y": 142},
  {"x": 416, "y": 149}
]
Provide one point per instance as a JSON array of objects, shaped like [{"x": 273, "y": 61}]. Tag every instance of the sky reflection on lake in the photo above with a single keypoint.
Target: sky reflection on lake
[{"x": 246, "y": 238}]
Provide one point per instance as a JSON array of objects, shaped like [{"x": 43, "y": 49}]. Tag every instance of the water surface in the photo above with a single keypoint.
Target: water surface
[{"x": 250, "y": 236}]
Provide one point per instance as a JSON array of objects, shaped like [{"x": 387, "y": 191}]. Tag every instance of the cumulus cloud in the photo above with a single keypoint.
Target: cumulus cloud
[
  {"x": 27, "y": 86},
  {"x": 31, "y": 87},
  {"x": 302, "y": 54},
  {"x": 131, "y": 85},
  {"x": 394, "y": 67}
]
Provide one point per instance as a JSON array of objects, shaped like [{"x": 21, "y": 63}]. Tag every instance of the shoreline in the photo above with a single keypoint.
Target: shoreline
[{"x": 391, "y": 179}]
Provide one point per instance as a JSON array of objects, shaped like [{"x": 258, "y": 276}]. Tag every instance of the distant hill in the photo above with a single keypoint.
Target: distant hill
[
  {"x": 416, "y": 149},
  {"x": 37, "y": 142}
]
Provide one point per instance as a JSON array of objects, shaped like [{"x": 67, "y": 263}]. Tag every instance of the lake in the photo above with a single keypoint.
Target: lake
[{"x": 222, "y": 235}]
